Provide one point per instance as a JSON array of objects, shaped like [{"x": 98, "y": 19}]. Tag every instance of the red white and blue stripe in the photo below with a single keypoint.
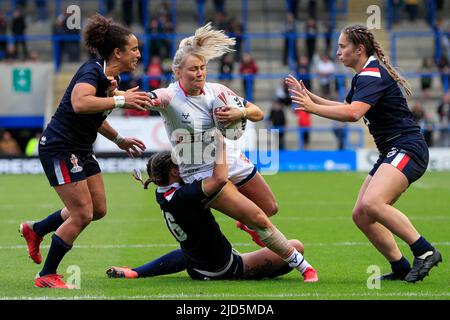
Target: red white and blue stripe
[{"x": 61, "y": 171}]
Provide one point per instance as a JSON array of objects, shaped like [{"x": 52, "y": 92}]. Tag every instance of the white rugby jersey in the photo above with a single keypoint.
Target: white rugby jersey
[{"x": 190, "y": 126}]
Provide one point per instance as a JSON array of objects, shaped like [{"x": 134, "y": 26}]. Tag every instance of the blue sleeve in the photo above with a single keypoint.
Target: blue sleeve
[
  {"x": 350, "y": 96},
  {"x": 368, "y": 90},
  {"x": 90, "y": 73},
  {"x": 191, "y": 192}
]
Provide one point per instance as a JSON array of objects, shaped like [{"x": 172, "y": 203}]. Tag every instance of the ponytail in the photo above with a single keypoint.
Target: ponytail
[{"x": 359, "y": 34}]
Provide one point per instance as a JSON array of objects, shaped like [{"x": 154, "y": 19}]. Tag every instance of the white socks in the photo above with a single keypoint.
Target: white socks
[{"x": 297, "y": 261}]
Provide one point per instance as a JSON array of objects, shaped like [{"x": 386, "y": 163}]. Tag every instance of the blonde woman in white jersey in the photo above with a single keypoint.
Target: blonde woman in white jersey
[{"x": 186, "y": 106}]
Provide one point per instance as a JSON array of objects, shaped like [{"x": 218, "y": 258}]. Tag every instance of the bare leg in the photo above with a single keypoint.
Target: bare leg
[{"x": 258, "y": 191}]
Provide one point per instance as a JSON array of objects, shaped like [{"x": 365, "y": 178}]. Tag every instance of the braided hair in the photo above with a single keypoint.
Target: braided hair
[
  {"x": 158, "y": 168},
  {"x": 359, "y": 34}
]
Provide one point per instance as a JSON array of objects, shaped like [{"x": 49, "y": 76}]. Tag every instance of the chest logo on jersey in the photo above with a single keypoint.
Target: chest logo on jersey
[
  {"x": 185, "y": 117},
  {"x": 76, "y": 168}
]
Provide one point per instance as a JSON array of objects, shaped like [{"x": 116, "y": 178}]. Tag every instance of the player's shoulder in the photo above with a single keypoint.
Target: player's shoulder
[
  {"x": 92, "y": 64},
  {"x": 215, "y": 88},
  {"x": 371, "y": 71}
]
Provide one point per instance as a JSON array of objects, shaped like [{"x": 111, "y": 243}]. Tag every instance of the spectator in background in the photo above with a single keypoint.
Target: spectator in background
[
  {"x": 425, "y": 122},
  {"x": 127, "y": 11},
  {"x": 220, "y": 20},
  {"x": 41, "y": 10},
  {"x": 328, "y": 34},
  {"x": 442, "y": 38},
  {"x": 157, "y": 45},
  {"x": 426, "y": 80},
  {"x": 339, "y": 129},
  {"x": 303, "y": 122},
  {"x": 290, "y": 40},
  {"x": 277, "y": 120},
  {"x": 18, "y": 27},
  {"x": 304, "y": 72},
  {"x": 235, "y": 30},
  {"x": 248, "y": 69},
  {"x": 11, "y": 52},
  {"x": 31, "y": 148},
  {"x": 444, "y": 69},
  {"x": 444, "y": 121},
  {"x": 3, "y": 31},
  {"x": 311, "y": 38},
  {"x": 412, "y": 7},
  {"x": 219, "y": 6},
  {"x": 292, "y": 8},
  {"x": 396, "y": 6},
  {"x": 326, "y": 69},
  {"x": 8, "y": 145},
  {"x": 226, "y": 68},
  {"x": 67, "y": 47},
  {"x": 154, "y": 70}
]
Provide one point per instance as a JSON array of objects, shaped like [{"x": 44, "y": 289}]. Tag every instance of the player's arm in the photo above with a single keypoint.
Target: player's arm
[
  {"x": 300, "y": 86},
  {"x": 130, "y": 145},
  {"x": 84, "y": 101},
  {"x": 219, "y": 176},
  {"x": 341, "y": 112}
]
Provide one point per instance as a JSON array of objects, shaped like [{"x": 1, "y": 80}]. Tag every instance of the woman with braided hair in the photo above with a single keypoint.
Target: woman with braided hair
[
  {"x": 186, "y": 106},
  {"x": 376, "y": 96},
  {"x": 204, "y": 251}
]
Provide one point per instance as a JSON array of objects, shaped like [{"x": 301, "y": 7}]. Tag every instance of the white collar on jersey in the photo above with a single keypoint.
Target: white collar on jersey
[
  {"x": 164, "y": 189},
  {"x": 371, "y": 58}
]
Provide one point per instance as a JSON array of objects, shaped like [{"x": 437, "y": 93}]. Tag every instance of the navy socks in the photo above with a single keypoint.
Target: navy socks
[
  {"x": 421, "y": 246},
  {"x": 49, "y": 224},
  {"x": 58, "y": 250},
  {"x": 401, "y": 267},
  {"x": 170, "y": 263}
]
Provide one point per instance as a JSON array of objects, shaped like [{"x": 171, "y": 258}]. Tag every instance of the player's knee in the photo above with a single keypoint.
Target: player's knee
[
  {"x": 358, "y": 216},
  {"x": 99, "y": 213},
  {"x": 370, "y": 207},
  {"x": 297, "y": 244},
  {"x": 82, "y": 219},
  {"x": 272, "y": 208}
]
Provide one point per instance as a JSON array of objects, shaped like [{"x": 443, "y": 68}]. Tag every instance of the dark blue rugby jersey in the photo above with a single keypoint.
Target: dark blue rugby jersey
[
  {"x": 389, "y": 115},
  {"x": 193, "y": 226},
  {"x": 78, "y": 131}
]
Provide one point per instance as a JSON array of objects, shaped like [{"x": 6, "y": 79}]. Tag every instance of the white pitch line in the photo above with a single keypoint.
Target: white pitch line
[
  {"x": 174, "y": 245},
  {"x": 230, "y": 295},
  {"x": 221, "y": 218}
]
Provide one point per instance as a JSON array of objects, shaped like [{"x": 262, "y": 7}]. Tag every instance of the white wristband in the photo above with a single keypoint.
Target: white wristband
[
  {"x": 118, "y": 139},
  {"x": 119, "y": 101}
]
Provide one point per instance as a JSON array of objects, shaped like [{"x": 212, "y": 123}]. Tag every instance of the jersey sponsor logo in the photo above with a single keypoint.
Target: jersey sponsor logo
[{"x": 76, "y": 168}]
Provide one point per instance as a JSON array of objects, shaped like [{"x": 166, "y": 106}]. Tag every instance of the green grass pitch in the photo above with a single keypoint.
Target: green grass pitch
[{"x": 313, "y": 207}]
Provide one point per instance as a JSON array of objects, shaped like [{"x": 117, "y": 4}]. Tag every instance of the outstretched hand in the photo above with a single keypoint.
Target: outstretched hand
[
  {"x": 299, "y": 94},
  {"x": 131, "y": 146},
  {"x": 136, "y": 100}
]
